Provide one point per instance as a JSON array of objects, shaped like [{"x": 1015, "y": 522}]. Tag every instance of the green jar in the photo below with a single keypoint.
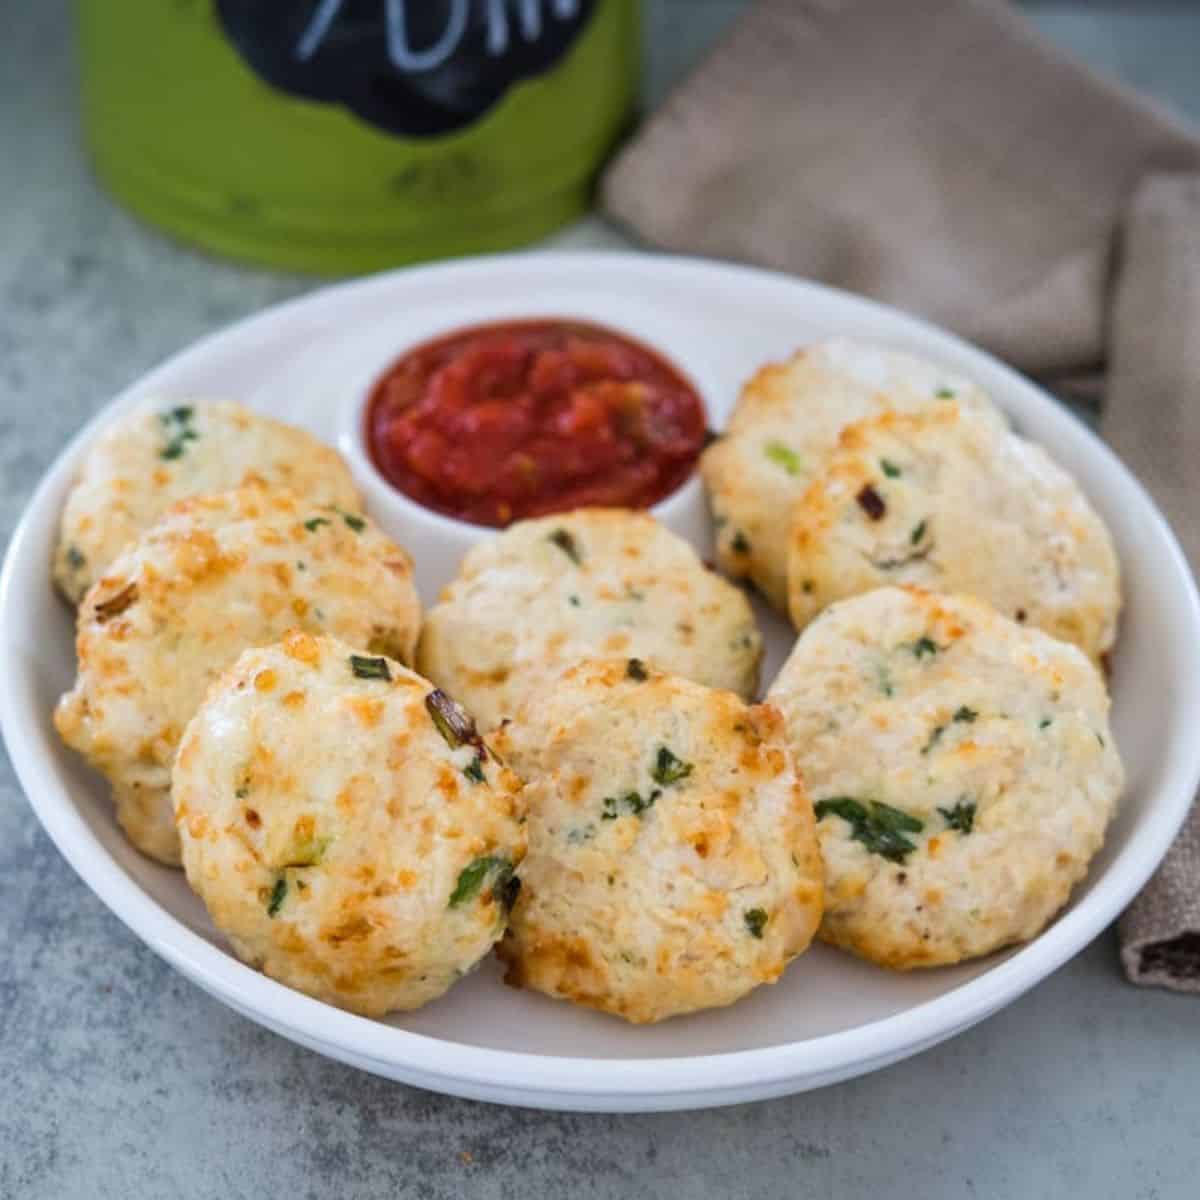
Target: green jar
[{"x": 341, "y": 136}]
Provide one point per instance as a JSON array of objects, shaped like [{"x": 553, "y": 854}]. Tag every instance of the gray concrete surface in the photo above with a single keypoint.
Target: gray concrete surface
[{"x": 119, "y": 1079}]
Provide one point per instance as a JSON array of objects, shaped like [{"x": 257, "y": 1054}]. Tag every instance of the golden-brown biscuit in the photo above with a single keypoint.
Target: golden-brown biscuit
[
  {"x": 216, "y": 575},
  {"x": 786, "y": 423},
  {"x": 672, "y": 859},
  {"x": 546, "y": 593},
  {"x": 150, "y": 460},
  {"x": 344, "y": 826},
  {"x": 944, "y": 499},
  {"x": 961, "y": 767}
]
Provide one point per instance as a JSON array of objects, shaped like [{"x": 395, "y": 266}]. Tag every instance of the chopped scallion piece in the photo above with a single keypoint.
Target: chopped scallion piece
[
  {"x": 669, "y": 769},
  {"x": 961, "y": 816},
  {"x": 278, "y": 895},
  {"x": 783, "y": 456},
  {"x": 472, "y": 877},
  {"x": 370, "y": 668}
]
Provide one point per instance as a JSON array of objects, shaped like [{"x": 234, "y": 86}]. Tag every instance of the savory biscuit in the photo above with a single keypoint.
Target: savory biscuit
[
  {"x": 672, "y": 862},
  {"x": 786, "y": 423},
  {"x": 216, "y": 575},
  {"x": 344, "y": 825},
  {"x": 151, "y": 460},
  {"x": 961, "y": 767},
  {"x": 546, "y": 593},
  {"x": 947, "y": 500}
]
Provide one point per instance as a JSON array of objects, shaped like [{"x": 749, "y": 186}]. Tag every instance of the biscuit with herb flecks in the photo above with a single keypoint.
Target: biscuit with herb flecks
[
  {"x": 346, "y": 827},
  {"x": 550, "y": 592},
  {"x": 672, "y": 862},
  {"x": 944, "y": 499},
  {"x": 786, "y": 423},
  {"x": 216, "y": 575},
  {"x": 961, "y": 767},
  {"x": 149, "y": 461}
]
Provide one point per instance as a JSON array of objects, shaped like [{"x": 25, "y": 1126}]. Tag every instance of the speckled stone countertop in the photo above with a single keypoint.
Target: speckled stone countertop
[{"x": 120, "y": 1079}]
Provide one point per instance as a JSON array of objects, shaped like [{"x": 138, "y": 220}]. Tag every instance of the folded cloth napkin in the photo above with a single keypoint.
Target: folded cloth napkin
[
  {"x": 936, "y": 154},
  {"x": 1152, "y": 419}
]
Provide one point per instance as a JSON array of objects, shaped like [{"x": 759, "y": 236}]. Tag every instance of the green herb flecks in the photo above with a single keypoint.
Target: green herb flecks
[
  {"x": 879, "y": 827},
  {"x": 962, "y": 715},
  {"x": 493, "y": 867},
  {"x": 669, "y": 769},
  {"x": 756, "y": 921},
  {"x": 308, "y": 853},
  {"x": 177, "y": 428},
  {"x": 474, "y": 770},
  {"x": 355, "y": 523},
  {"x": 278, "y": 896},
  {"x": 315, "y": 523},
  {"x": 783, "y": 456},
  {"x": 922, "y": 547},
  {"x": 924, "y": 647},
  {"x": 961, "y": 817},
  {"x": 1045, "y": 722},
  {"x": 740, "y": 543},
  {"x": 573, "y": 601},
  {"x": 630, "y": 804},
  {"x": 945, "y": 393},
  {"x": 889, "y": 468},
  {"x": 576, "y": 837},
  {"x": 565, "y": 541},
  {"x": 75, "y": 558},
  {"x": 370, "y": 668},
  {"x": 635, "y": 669}
]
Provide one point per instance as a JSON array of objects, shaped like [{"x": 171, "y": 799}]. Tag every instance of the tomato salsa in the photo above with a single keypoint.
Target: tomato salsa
[{"x": 513, "y": 420}]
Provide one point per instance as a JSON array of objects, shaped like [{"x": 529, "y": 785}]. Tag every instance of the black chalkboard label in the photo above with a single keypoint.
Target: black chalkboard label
[{"x": 417, "y": 68}]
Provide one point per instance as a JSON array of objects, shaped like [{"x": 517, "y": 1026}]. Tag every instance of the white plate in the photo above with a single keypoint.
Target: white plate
[{"x": 831, "y": 1017}]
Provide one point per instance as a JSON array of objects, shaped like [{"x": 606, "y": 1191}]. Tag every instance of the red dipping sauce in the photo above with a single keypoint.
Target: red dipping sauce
[{"x": 513, "y": 420}]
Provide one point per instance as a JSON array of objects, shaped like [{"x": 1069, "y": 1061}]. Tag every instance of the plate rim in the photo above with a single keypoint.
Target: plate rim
[{"x": 547, "y": 1080}]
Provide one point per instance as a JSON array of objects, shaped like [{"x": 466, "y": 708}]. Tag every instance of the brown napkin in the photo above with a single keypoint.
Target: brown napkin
[
  {"x": 936, "y": 154},
  {"x": 1152, "y": 419}
]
